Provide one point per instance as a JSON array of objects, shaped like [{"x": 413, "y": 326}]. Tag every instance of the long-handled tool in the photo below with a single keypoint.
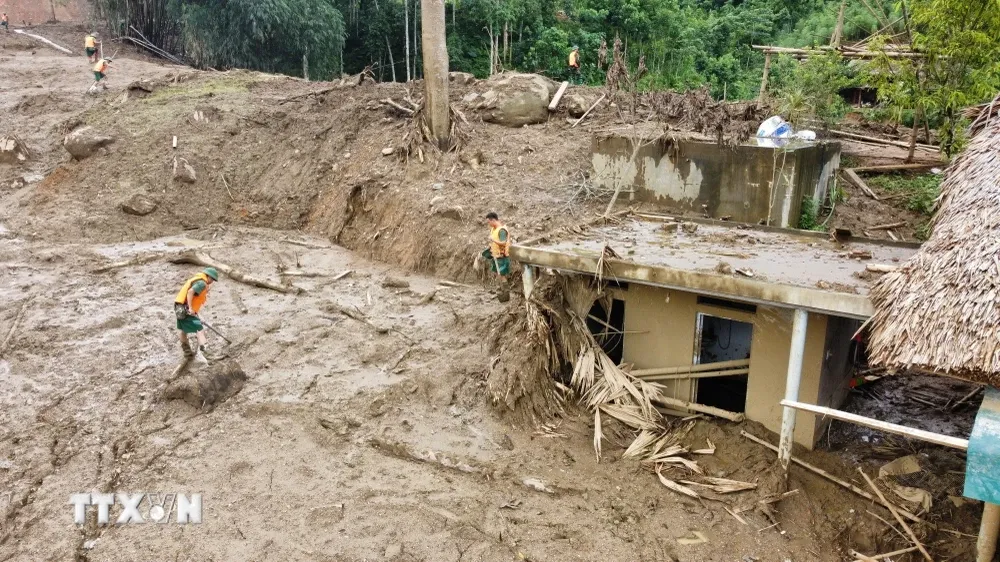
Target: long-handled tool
[{"x": 218, "y": 333}]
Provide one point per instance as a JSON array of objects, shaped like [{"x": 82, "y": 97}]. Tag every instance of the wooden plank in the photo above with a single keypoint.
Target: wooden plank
[
  {"x": 929, "y": 436},
  {"x": 698, "y": 375},
  {"x": 718, "y": 365},
  {"x": 855, "y": 179},
  {"x": 889, "y": 225},
  {"x": 819, "y": 471},
  {"x": 558, "y": 97}
]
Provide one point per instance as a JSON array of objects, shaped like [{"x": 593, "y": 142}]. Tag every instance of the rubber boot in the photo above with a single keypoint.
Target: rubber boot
[
  {"x": 503, "y": 291},
  {"x": 186, "y": 348}
]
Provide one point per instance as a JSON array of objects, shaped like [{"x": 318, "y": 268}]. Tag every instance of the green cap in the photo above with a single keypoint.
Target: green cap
[{"x": 211, "y": 272}]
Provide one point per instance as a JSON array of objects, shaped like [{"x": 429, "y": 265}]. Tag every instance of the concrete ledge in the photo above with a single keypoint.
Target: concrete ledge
[{"x": 712, "y": 284}]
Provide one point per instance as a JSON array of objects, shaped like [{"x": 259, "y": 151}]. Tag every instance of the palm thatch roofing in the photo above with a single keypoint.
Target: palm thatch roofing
[{"x": 940, "y": 310}]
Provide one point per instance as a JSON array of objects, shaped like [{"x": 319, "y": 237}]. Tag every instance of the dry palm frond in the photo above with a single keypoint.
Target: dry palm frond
[
  {"x": 642, "y": 445},
  {"x": 710, "y": 450},
  {"x": 722, "y": 485},
  {"x": 598, "y": 434},
  {"x": 583, "y": 372},
  {"x": 669, "y": 452},
  {"x": 629, "y": 415},
  {"x": 676, "y": 487},
  {"x": 687, "y": 463}
]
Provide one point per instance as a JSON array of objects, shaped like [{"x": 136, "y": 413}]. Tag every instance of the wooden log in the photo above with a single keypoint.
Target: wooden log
[
  {"x": 197, "y": 258},
  {"x": 892, "y": 510},
  {"x": 820, "y": 472},
  {"x": 853, "y": 177},
  {"x": 877, "y": 140},
  {"x": 558, "y": 97},
  {"x": 698, "y": 375},
  {"x": 693, "y": 406},
  {"x": 398, "y": 107},
  {"x": 893, "y": 168},
  {"x": 930, "y": 437},
  {"x": 584, "y": 116},
  {"x": 888, "y": 226},
  {"x": 718, "y": 365},
  {"x": 764, "y": 76}
]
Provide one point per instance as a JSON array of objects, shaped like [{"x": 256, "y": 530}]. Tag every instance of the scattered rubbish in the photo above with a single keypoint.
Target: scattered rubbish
[
  {"x": 512, "y": 504},
  {"x": 698, "y": 538},
  {"x": 745, "y": 272},
  {"x": 537, "y": 485}
]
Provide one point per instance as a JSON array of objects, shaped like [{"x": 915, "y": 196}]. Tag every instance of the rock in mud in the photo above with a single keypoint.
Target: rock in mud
[
  {"x": 13, "y": 150},
  {"x": 523, "y": 100},
  {"x": 463, "y": 78},
  {"x": 455, "y": 212},
  {"x": 84, "y": 142},
  {"x": 139, "y": 205},
  {"x": 209, "y": 386},
  {"x": 183, "y": 171},
  {"x": 576, "y": 105},
  {"x": 395, "y": 283},
  {"x": 394, "y": 550}
]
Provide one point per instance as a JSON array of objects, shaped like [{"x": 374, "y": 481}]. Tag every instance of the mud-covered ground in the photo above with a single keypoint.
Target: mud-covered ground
[{"x": 360, "y": 436}]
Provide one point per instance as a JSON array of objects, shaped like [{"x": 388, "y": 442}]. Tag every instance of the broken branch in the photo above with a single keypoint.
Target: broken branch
[
  {"x": 197, "y": 258},
  {"x": 892, "y": 510},
  {"x": 584, "y": 116}
]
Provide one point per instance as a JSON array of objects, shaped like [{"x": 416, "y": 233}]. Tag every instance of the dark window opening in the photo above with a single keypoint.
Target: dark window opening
[
  {"x": 732, "y": 305},
  {"x": 608, "y": 329},
  {"x": 722, "y": 339}
]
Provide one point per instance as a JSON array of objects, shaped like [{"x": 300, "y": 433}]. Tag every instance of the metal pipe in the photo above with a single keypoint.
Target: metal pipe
[
  {"x": 986, "y": 546},
  {"x": 792, "y": 382},
  {"x": 528, "y": 280}
]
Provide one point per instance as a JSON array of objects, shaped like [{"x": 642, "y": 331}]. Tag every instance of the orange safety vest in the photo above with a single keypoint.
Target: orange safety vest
[
  {"x": 574, "y": 57},
  {"x": 498, "y": 248},
  {"x": 101, "y": 66},
  {"x": 198, "y": 300},
  {"x": 90, "y": 42}
]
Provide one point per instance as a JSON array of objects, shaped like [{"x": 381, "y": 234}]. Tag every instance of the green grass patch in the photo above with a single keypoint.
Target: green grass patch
[
  {"x": 809, "y": 215},
  {"x": 917, "y": 191}
]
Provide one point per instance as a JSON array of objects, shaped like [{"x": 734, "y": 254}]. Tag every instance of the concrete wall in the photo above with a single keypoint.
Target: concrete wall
[
  {"x": 662, "y": 325},
  {"x": 837, "y": 366},
  {"x": 745, "y": 183},
  {"x": 40, "y": 11}
]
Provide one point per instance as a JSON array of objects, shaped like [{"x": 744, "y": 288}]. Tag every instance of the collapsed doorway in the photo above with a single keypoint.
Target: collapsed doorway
[
  {"x": 722, "y": 339},
  {"x": 608, "y": 328}
]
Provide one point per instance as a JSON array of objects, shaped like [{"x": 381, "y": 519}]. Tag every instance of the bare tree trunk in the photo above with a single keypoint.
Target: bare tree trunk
[
  {"x": 53, "y": 4},
  {"x": 417, "y": 71},
  {"x": 392, "y": 64},
  {"x": 505, "y": 57},
  {"x": 305, "y": 64},
  {"x": 913, "y": 136},
  {"x": 406, "y": 33},
  {"x": 436, "y": 70},
  {"x": 493, "y": 56}
]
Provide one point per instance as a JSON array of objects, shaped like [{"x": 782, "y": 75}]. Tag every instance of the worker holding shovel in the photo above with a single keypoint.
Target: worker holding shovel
[
  {"x": 497, "y": 254},
  {"x": 187, "y": 304},
  {"x": 100, "y": 73}
]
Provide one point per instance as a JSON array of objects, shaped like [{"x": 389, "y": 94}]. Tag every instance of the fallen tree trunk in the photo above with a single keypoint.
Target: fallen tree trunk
[
  {"x": 204, "y": 260},
  {"x": 878, "y": 140},
  {"x": 852, "y": 176}
]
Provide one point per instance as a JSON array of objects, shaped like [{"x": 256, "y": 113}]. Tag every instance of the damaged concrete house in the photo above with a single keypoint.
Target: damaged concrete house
[{"x": 721, "y": 311}]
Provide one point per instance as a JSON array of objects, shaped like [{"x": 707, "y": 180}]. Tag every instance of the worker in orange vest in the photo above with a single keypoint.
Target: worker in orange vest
[
  {"x": 574, "y": 65},
  {"x": 4, "y": 22},
  {"x": 497, "y": 254},
  {"x": 188, "y": 303},
  {"x": 90, "y": 44},
  {"x": 100, "y": 73}
]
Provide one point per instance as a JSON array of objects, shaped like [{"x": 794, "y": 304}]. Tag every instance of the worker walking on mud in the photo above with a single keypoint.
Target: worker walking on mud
[
  {"x": 187, "y": 304},
  {"x": 100, "y": 73},
  {"x": 90, "y": 44},
  {"x": 497, "y": 254},
  {"x": 574, "y": 65},
  {"x": 5, "y": 22}
]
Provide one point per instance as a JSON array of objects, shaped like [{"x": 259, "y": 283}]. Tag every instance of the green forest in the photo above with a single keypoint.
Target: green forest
[{"x": 682, "y": 43}]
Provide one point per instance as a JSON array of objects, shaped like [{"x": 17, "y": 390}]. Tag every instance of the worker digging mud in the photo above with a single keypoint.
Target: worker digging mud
[
  {"x": 4, "y": 21},
  {"x": 498, "y": 254},
  {"x": 574, "y": 66},
  {"x": 90, "y": 44},
  {"x": 187, "y": 304},
  {"x": 100, "y": 73}
]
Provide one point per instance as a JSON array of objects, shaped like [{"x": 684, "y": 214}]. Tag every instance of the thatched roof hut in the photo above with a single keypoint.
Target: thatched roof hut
[{"x": 940, "y": 310}]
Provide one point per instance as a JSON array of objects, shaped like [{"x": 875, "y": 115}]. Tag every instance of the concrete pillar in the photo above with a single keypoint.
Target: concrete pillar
[
  {"x": 986, "y": 546},
  {"x": 792, "y": 382},
  {"x": 528, "y": 280}
]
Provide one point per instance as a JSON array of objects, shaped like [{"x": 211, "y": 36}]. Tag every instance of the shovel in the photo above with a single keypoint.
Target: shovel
[{"x": 218, "y": 333}]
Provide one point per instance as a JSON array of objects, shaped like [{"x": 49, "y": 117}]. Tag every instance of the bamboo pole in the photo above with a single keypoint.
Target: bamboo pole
[
  {"x": 819, "y": 471},
  {"x": 986, "y": 544},
  {"x": 718, "y": 365},
  {"x": 698, "y": 375},
  {"x": 887, "y": 554},
  {"x": 930, "y": 437},
  {"x": 764, "y": 76},
  {"x": 695, "y": 407},
  {"x": 892, "y": 510}
]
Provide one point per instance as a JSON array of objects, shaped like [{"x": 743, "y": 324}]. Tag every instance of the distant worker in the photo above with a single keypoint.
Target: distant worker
[
  {"x": 90, "y": 44},
  {"x": 498, "y": 254},
  {"x": 187, "y": 304},
  {"x": 574, "y": 65},
  {"x": 5, "y": 22},
  {"x": 100, "y": 73}
]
